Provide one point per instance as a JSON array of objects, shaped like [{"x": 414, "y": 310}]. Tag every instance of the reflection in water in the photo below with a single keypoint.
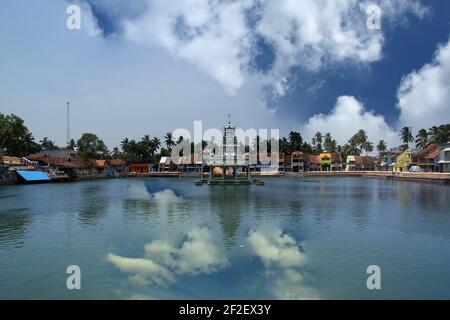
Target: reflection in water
[
  {"x": 163, "y": 261},
  {"x": 292, "y": 238},
  {"x": 230, "y": 203},
  {"x": 13, "y": 226},
  {"x": 150, "y": 201},
  {"x": 283, "y": 262},
  {"x": 93, "y": 204}
]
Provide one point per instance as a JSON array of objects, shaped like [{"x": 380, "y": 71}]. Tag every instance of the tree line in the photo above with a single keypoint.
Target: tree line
[{"x": 17, "y": 140}]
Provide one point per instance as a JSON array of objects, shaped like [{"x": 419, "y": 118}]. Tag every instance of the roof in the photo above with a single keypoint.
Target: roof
[
  {"x": 60, "y": 162},
  {"x": 364, "y": 160},
  {"x": 33, "y": 175},
  {"x": 336, "y": 157},
  {"x": 116, "y": 162},
  {"x": 99, "y": 163},
  {"x": 61, "y": 153},
  {"x": 434, "y": 154},
  {"x": 423, "y": 153},
  {"x": 163, "y": 160},
  {"x": 314, "y": 158},
  {"x": 11, "y": 160}
]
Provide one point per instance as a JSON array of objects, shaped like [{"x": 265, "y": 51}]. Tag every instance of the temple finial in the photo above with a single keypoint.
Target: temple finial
[{"x": 229, "y": 118}]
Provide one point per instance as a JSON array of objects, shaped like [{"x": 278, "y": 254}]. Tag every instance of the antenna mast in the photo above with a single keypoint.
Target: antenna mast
[{"x": 68, "y": 124}]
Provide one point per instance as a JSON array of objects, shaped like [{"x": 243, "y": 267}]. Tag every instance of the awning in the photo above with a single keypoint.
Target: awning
[{"x": 31, "y": 176}]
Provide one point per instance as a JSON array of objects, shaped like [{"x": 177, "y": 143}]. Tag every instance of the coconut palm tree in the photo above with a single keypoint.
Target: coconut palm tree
[
  {"x": 406, "y": 135},
  {"x": 318, "y": 138},
  {"x": 168, "y": 141},
  {"x": 125, "y": 145},
  {"x": 368, "y": 147},
  {"x": 381, "y": 147},
  {"x": 421, "y": 139}
]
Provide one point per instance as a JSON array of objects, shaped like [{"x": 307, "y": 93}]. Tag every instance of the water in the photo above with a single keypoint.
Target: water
[{"x": 154, "y": 238}]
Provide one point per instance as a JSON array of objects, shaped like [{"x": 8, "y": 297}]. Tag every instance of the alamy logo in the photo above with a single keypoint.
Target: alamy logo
[
  {"x": 374, "y": 280},
  {"x": 74, "y": 280},
  {"x": 73, "y": 22}
]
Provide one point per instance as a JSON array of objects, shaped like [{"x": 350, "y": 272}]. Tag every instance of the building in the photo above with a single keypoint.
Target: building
[
  {"x": 64, "y": 153},
  {"x": 298, "y": 161},
  {"x": 166, "y": 165},
  {"x": 403, "y": 161},
  {"x": 444, "y": 158},
  {"x": 360, "y": 163},
  {"x": 388, "y": 159},
  {"x": 73, "y": 168},
  {"x": 313, "y": 162},
  {"x": 229, "y": 165},
  {"x": 422, "y": 159},
  {"x": 98, "y": 168},
  {"x": 192, "y": 164},
  {"x": 116, "y": 168},
  {"x": 138, "y": 168},
  {"x": 330, "y": 162}
]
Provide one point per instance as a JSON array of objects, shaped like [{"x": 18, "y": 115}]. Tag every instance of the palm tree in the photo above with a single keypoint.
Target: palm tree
[
  {"x": 115, "y": 153},
  {"x": 168, "y": 140},
  {"x": 156, "y": 143},
  {"x": 125, "y": 145},
  {"x": 406, "y": 135},
  {"x": 368, "y": 147},
  {"x": 422, "y": 139},
  {"x": 318, "y": 138},
  {"x": 381, "y": 147}
]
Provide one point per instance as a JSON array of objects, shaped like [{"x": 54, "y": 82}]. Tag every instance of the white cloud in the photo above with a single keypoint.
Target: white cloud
[
  {"x": 424, "y": 95},
  {"x": 283, "y": 263},
  {"x": 89, "y": 24},
  {"x": 276, "y": 248},
  {"x": 143, "y": 269},
  {"x": 346, "y": 118},
  {"x": 162, "y": 261},
  {"x": 215, "y": 36}
]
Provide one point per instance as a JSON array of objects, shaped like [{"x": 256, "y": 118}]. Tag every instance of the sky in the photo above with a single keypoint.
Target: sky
[{"x": 152, "y": 66}]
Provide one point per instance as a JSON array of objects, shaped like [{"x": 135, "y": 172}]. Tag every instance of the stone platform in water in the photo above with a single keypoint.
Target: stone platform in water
[{"x": 229, "y": 182}]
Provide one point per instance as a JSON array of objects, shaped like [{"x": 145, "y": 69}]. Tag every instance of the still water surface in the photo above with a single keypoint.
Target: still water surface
[{"x": 154, "y": 238}]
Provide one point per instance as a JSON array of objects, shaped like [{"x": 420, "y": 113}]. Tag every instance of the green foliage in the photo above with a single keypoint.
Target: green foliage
[
  {"x": 406, "y": 135},
  {"x": 382, "y": 146},
  {"x": 15, "y": 138},
  {"x": 439, "y": 134},
  {"x": 48, "y": 144},
  {"x": 91, "y": 147},
  {"x": 140, "y": 151},
  {"x": 329, "y": 144}
]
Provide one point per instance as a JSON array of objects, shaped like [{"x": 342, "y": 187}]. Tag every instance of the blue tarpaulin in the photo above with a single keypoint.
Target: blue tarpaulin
[{"x": 31, "y": 176}]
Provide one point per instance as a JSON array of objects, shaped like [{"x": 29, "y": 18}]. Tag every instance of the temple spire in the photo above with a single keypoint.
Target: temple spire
[{"x": 229, "y": 118}]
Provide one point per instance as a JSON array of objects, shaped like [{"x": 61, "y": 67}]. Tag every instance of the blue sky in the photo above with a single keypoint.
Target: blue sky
[{"x": 151, "y": 66}]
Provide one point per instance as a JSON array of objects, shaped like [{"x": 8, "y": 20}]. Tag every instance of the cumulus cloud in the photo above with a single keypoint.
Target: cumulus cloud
[
  {"x": 346, "y": 118},
  {"x": 283, "y": 261},
  {"x": 162, "y": 261},
  {"x": 221, "y": 38},
  {"x": 424, "y": 95}
]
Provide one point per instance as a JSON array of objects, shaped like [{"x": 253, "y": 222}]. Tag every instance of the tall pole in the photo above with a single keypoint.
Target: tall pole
[{"x": 68, "y": 124}]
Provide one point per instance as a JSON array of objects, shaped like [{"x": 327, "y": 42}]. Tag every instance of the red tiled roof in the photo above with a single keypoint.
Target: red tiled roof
[
  {"x": 11, "y": 160},
  {"x": 99, "y": 163},
  {"x": 116, "y": 162},
  {"x": 60, "y": 162},
  {"x": 423, "y": 153},
  {"x": 336, "y": 157},
  {"x": 434, "y": 154},
  {"x": 314, "y": 158},
  {"x": 364, "y": 160}
]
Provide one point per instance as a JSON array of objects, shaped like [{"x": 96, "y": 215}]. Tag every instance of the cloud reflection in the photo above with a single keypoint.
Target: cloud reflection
[
  {"x": 162, "y": 262},
  {"x": 284, "y": 263}
]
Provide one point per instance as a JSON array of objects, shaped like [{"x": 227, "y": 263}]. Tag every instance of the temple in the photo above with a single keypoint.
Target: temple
[{"x": 228, "y": 165}]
